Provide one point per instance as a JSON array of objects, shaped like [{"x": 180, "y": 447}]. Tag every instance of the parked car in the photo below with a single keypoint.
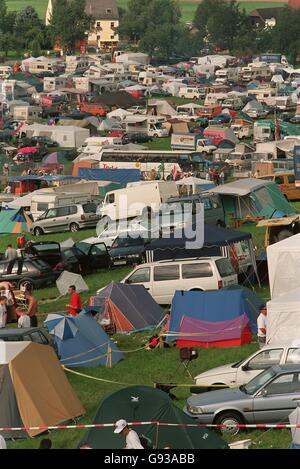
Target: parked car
[
  {"x": 27, "y": 273},
  {"x": 128, "y": 250},
  {"x": 244, "y": 370},
  {"x": 37, "y": 335},
  {"x": 68, "y": 217},
  {"x": 213, "y": 209},
  {"x": 220, "y": 119},
  {"x": 163, "y": 278},
  {"x": 136, "y": 138},
  {"x": 45, "y": 141},
  {"x": 51, "y": 253},
  {"x": 268, "y": 398},
  {"x": 90, "y": 255}
]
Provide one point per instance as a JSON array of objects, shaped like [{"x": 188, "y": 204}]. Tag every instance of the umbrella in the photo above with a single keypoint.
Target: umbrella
[
  {"x": 61, "y": 326},
  {"x": 69, "y": 278},
  {"x": 28, "y": 150}
]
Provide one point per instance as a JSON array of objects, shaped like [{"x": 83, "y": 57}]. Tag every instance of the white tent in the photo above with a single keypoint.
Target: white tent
[
  {"x": 66, "y": 279},
  {"x": 118, "y": 114},
  {"x": 284, "y": 265},
  {"x": 283, "y": 319}
]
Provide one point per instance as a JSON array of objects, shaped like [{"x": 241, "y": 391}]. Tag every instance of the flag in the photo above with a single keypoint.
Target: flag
[
  {"x": 175, "y": 173},
  {"x": 277, "y": 128}
]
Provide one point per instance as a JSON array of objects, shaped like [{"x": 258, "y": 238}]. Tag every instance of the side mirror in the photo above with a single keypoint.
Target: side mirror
[
  {"x": 245, "y": 367},
  {"x": 264, "y": 393}
]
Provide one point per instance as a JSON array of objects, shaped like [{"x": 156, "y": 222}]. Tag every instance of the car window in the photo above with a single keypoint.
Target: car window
[
  {"x": 27, "y": 338},
  {"x": 284, "y": 384},
  {"x": 3, "y": 266},
  {"x": 291, "y": 179},
  {"x": 225, "y": 267},
  {"x": 203, "y": 269},
  {"x": 51, "y": 213},
  {"x": 73, "y": 210},
  {"x": 38, "y": 338},
  {"x": 83, "y": 247},
  {"x": 89, "y": 208},
  {"x": 63, "y": 211},
  {"x": 265, "y": 359},
  {"x": 140, "y": 276},
  {"x": 111, "y": 198},
  {"x": 279, "y": 180},
  {"x": 98, "y": 250},
  {"x": 42, "y": 206},
  {"x": 293, "y": 355},
  {"x": 165, "y": 273}
]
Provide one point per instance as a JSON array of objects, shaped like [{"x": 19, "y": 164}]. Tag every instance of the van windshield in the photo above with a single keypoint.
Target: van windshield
[
  {"x": 225, "y": 267},
  {"x": 121, "y": 242}
]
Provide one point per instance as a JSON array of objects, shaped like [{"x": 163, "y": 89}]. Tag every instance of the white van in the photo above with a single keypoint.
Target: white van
[
  {"x": 137, "y": 198},
  {"x": 189, "y": 93},
  {"x": 93, "y": 145},
  {"x": 163, "y": 278},
  {"x": 244, "y": 370},
  {"x": 45, "y": 200}
]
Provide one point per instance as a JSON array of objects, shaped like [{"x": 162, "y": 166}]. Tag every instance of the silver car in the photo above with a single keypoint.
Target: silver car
[
  {"x": 268, "y": 398},
  {"x": 66, "y": 218}
]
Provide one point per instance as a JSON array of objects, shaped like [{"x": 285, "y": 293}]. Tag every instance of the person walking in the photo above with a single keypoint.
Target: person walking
[
  {"x": 294, "y": 419},
  {"x": 3, "y": 311},
  {"x": 262, "y": 327},
  {"x": 11, "y": 253},
  {"x": 74, "y": 307},
  {"x": 132, "y": 440}
]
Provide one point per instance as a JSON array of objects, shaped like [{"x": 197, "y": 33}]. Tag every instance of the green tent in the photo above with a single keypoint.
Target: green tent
[{"x": 146, "y": 404}]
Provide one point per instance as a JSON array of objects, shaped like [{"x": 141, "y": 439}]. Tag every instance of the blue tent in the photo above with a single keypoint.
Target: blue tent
[
  {"x": 88, "y": 347},
  {"x": 122, "y": 176},
  {"x": 129, "y": 307},
  {"x": 214, "y": 306}
]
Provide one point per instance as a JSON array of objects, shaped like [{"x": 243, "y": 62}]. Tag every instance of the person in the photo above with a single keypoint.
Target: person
[
  {"x": 10, "y": 253},
  {"x": 32, "y": 309},
  {"x": 45, "y": 443},
  {"x": 131, "y": 437},
  {"x": 222, "y": 177},
  {"x": 3, "y": 311},
  {"x": 21, "y": 240},
  {"x": 294, "y": 419},
  {"x": 24, "y": 319},
  {"x": 2, "y": 442},
  {"x": 262, "y": 327},
  {"x": 7, "y": 189},
  {"x": 257, "y": 173},
  {"x": 153, "y": 343},
  {"x": 207, "y": 177},
  {"x": 74, "y": 307},
  {"x": 5, "y": 169}
]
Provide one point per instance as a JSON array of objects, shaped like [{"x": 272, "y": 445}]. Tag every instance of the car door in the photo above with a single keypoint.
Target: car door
[
  {"x": 98, "y": 256},
  {"x": 257, "y": 363},
  {"x": 277, "y": 399},
  {"x": 166, "y": 280},
  {"x": 62, "y": 218},
  {"x": 48, "y": 222}
]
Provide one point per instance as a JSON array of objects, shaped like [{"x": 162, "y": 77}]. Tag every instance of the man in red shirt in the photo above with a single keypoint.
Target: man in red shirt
[{"x": 74, "y": 307}]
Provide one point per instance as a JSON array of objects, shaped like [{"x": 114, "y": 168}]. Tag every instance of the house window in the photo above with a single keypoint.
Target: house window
[
  {"x": 112, "y": 25},
  {"x": 98, "y": 24},
  {"x": 113, "y": 36},
  {"x": 65, "y": 138},
  {"x": 98, "y": 36},
  {"x": 108, "y": 10}
]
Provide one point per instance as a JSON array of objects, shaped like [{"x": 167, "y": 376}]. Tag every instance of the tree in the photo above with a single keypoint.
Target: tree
[
  {"x": 285, "y": 35},
  {"x": 29, "y": 28},
  {"x": 69, "y": 22},
  {"x": 222, "y": 23}
]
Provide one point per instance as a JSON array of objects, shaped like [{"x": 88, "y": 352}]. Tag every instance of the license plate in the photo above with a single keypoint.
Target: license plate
[
  {"x": 93, "y": 216},
  {"x": 119, "y": 262}
]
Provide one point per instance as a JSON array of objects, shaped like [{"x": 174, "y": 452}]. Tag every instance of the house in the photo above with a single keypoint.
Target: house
[
  {"x": 265, "y": 17},
  {"x": 104, "y": 33}
]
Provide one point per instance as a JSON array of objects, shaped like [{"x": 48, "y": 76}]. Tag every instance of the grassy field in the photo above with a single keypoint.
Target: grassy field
[{"x": 188, "y": 6}]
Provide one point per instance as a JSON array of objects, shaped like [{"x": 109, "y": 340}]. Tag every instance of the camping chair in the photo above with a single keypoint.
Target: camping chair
[{"x": 186, "y": 355}]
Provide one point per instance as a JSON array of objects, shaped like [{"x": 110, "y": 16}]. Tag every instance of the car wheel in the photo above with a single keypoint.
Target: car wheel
[
  {"x": 26, "y": 285},
  {"x": 74, "y": 227},
  {"x": 38, "y": 231},
  {"x": 230, "y": 419}
]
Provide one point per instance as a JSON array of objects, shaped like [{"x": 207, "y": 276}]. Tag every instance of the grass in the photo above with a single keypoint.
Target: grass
[{"x": 188, "y": 7}]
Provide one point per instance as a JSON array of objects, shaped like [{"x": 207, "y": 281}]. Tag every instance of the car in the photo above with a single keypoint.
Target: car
[
  {"x": 136, "y": 138},
  {"x": 244, "y": 370},
  {"x": 37, "y": 335},
  {"x": 46, "y": 141},
  {"x": 295, "y": 120},
  {"x": 30, "y": 273},
  {"x": 66, "y": 218},
  {"x": 128, "y": 250},
  {"x": 163, "y": 278},
  {"x": 220, "y": 119},
  {"x": 159, "y": 93},
  {"x": 90, "y": 255},
  {"x": 52, "y": 253},
  {"x": 213, "y": 209},
  {"x": 268, "y": 398}
]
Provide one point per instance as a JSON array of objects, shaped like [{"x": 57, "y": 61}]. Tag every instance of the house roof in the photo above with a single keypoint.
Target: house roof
[
  {"x": 100, "y": 9},
  {"x": 266, "y": 13}
]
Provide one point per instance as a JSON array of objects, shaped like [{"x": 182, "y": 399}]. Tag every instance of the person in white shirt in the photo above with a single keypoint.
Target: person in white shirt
[
  {"x": 2, "y": 443},
  {"x": 294, "y": 419},
  {"x": 132, "y": 438},
  {"x": 10, "y": 253},
  {"x": 262, "y": 327},
  {"x": 3, "y": 311}
]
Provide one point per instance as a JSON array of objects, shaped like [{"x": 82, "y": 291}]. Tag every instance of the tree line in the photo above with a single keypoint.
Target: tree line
[{"x": 155, "y": 27}]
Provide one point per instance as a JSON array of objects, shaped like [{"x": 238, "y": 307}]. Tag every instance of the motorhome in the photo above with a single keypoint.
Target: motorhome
[
  {"x": 93, "y": 145},
  {"x": 137, "y": 199},
  {"x": 189, "y": 92},
  {"x": 225, "y": 75},
  {"x": 150, "y": 125},
  {"x": 284, "y": 103},
  {"x": 264, "y": 95},
  {"x": 209, "y": 112},
  {"x": 242, "y": 130},
  {"x": 234, "y": 103},
  {"x": 42, "y": 201},
  {"x": 191, "y": 142},
  {"x": 215, "y": 98},
  {"x": 255, "y": 70}
]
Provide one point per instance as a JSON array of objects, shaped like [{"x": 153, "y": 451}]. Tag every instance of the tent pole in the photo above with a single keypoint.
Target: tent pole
[{"x": 156, "y": 436}]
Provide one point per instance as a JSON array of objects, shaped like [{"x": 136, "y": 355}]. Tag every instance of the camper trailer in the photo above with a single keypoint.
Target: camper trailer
[
  {"x": 225, "y": 75},
  {"x": 42, "y": 201},
  {"x": 256, "y": 70}
]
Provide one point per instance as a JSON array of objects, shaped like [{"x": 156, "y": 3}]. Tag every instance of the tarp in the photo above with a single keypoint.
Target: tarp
[
  {"x": 211, "y": 306},
  {"x": 43, "y": 395},
  {"x": 283, "y": 318},
  {"x": 129, "y": 307},
  {"x": 66, "y": 279},
  {"x": 14, "y": 221},
  {"x": 89, "y": 346},
  {"x": 144, "y": 404},
  {"x": 122, "y": 176},
  {"x": 284, "y": 265}
]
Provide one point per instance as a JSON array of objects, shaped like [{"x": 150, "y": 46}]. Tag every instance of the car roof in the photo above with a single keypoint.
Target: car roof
[
  {"x": 15, "y": 331},
  {"x": 286, "y": 368},
  {"x": 182, "y": 261}
]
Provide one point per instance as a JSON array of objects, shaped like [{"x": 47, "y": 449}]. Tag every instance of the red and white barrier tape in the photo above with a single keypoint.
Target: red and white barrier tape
[{"x": 260, "y": 426}]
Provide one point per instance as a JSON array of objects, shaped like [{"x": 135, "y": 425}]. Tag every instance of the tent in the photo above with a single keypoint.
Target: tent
[
  {"x": 121, "y": 176},
  {"x": 34, "y": 390},
  {"x": 83, "y": 343},
  {"x": 14, "y": 221},
  {"x": 146, "y": 404},
  {"x": 194, "y": 185},
  {"x": 69, "y": 278},
  {"x": 284, "y": 265},
  {"x": 252, "y": 197},
  {"x": 220, "y": 318},
  {"x": 129, "y": 307},
  {"x": 54, "y": 158},
  {"x": 283, "y": 319}
]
